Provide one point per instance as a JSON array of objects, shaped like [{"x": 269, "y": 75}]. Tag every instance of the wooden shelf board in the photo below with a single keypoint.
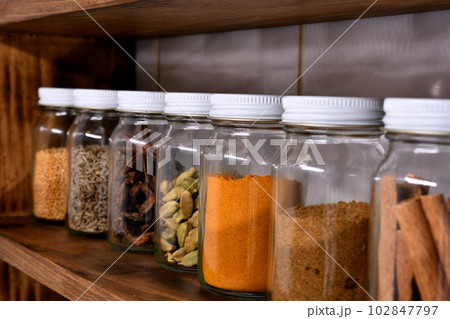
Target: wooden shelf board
[
  {"x": 69, "y": 264},
  {"x": 140, "y": 18}
]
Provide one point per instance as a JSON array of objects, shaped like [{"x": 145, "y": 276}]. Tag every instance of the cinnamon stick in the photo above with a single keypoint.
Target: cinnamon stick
[
  {"x": 403, "y": 270},
  {"x": 419, "y": 243},
  {"x": 388, "y": 238},
  {"x": 439, "y": 220}
]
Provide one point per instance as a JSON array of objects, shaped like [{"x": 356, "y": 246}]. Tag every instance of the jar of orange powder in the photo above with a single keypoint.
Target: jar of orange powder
[{"x": 235, "y": 201}]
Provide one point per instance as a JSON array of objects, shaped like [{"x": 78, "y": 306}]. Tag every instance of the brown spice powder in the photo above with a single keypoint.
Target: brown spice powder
[
  {"x": 302, "y": 270},
  {"x": 235, "y": 246},
  {"x": 50, "y": 183}
]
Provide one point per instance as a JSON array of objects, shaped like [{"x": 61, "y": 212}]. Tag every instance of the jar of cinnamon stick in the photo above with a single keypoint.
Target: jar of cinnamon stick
[
  {"x": 410, "y": 212},
  {"x": 51, "y": 156},
  {"x": 235, "y": 200},
  {"x": 132, "y": 192},
  {"x": 322, "y": 188},
  {"x": 178, "y": 175}
]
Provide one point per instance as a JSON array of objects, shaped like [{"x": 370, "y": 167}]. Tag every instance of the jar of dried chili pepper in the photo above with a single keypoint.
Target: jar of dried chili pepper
[
  {"x": 409, "y": 247},
  {"x": 235, "y": 201},
  {"x": 51, "y": 156},
  {"x": 89, "y": 153},
  {"x": 178, "y": 156},
  {"x": 322, "y": 187},
  {"x": 132, "y": 192}
]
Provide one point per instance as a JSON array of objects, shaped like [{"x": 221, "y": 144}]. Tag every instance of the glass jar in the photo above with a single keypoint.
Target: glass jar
[
  {"x": 133, "y": 175},
  {"x": 410, "y": 221},
  {"x": 89, "y": 147},
  {"x": 322, "y": 186},
  {"x": 51, "y": 157},
  {"x": 235, "y": 194},
  {"x": 178, "y": 156}
]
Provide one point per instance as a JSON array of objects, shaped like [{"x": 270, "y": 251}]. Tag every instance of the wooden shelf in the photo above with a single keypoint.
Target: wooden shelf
[
  {"x": 139, "y": 18},
  {"x": 69, "y": 264}
]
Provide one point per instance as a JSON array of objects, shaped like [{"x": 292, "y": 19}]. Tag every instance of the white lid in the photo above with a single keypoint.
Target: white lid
[
  {"x": 55, "y": 96},
  {"x": 95, "y": 99},
  {"x": 420, "y": 115},
  {"x": 187, "y": 104},
  {"x": 246, "y": 107},
  {"x": 140, "y": 101},
  {"x": 332, "y": 111}
]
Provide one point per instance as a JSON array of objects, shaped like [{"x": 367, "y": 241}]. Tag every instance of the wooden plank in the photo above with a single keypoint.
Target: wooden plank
[
  {"x": 69, "y": 264},
  {"x": 140, "y": 18}
]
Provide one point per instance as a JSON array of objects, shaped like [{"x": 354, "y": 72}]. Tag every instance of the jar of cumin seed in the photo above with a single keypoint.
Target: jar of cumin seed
[
  {"x": 322, "y": 186},
  {"x": 235, "y": 202},
  {"x": 51, "y": 156},
  {"x": 177, "y": 190},
  {"x": 89, "y": 153},
  {"x": 132, "y": 192}
]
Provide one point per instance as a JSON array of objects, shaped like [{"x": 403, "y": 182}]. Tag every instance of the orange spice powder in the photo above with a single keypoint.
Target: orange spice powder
[{"x": 236, "y": 232}]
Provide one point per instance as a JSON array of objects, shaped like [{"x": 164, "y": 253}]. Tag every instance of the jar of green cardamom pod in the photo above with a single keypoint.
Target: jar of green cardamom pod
[{"x": 177, "y": 180}]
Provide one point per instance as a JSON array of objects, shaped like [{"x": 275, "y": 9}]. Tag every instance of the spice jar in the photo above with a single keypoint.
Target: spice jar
[
  {"x": 133, "y": 175},
  {"x": 51, "y": 157},
  {"x": 410, "y": 213},
  {"x": 235, "y": 194},
  {"x": 322, "y": 186},
  {"x": 178, "y": 156},
  {"x": 89, "y": 147}
]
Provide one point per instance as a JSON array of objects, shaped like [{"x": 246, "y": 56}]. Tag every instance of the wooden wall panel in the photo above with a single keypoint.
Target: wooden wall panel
[{"x": 26, "y": 63}]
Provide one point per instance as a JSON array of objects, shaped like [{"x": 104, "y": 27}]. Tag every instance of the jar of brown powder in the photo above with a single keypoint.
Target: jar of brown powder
[
  {"x": 410, "y": 216},
  {"x": 235, "y": 199},
  {"x": 322, "y": 186},
  {"x": 51, "y": 157}
]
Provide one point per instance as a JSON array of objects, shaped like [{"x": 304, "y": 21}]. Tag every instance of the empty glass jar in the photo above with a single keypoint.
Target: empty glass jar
[
  {"x": 235, "y": 198},
  {"x": 410, "y": 220},
  {"x": 322, "y": 186},
  {"x": 178, "y": 157},
  {"x": 89, "y": 147},
  {"x": 133, "y": 173},
  {"x": 51, "y": 156}
]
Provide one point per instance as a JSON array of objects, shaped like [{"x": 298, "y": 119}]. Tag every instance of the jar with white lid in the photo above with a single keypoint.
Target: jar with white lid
[
  {"x": 132, "y": 192},
  {"x": 50, "y": 154},
  {"x": 235, "y": 200},
  {"x": 322, "y": 186},
  {"x": 178, "y": 161},
  {"x": 89, "y": 151},
  {"x": 410, "y": 213}
]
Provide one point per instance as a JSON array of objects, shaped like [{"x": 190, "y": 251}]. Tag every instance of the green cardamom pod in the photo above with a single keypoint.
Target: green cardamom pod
[
  {"x": 182, "y": 233},
  {"x": 174, "y": 194},
  {"x": 179, "y": 254},
  {"x": 167, "y": 246},
  {"x": 170, "y": 223},
  {"x": 194, "y": 219},
  {"x": 168, "y": 209},
  {"x": 190, "y": 259},
  {"x": 197, "y": 203},
  {"x": 191, "y": 184},
  {"x": 178, "y": 217},
  {"x": 191, "y": 242},
  {"x": 186, "y": 205},
  {"x": 170, "y": 259},
  {"x": 165, "y": 186},
  {"x": 190, "y": 173},
  {"x": 169, "y": 234}
]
